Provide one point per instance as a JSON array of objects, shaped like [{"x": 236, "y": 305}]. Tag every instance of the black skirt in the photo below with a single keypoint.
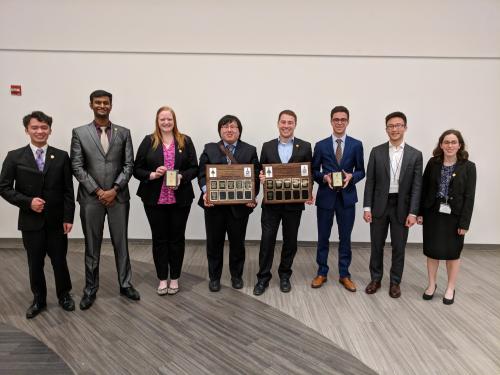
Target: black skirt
[{"x": 440, "y": 232}]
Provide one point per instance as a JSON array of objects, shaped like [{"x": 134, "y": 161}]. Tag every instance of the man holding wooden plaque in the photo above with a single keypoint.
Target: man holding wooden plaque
[
  {"x": 337, "y": 166},
  {"x": 226, "y": 218},
  {"x": 284, "y": 149}
]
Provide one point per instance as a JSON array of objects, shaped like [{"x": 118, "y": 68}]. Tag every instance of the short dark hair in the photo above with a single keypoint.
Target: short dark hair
[
  {"x": 227, "y": 119},
  {"x": 462, "y": 154},
  {"x": 288, "y": 112},
  {"x": 99, "y": 93},
  {"x": 38, "y": 115},
  {"x": 395, "y": 114},
  {"x": 339, "y": 108}
]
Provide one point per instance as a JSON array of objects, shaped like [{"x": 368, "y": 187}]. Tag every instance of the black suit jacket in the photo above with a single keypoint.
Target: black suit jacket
[
  {"x": 244, "y": 154},
  {"x": 21, "y": 181},
  {"x": 147, "y": 160},
  {"x": 378, "y": 179},
  {"x": 302, "y": 152},
  {"x": 461, "y": 191}
]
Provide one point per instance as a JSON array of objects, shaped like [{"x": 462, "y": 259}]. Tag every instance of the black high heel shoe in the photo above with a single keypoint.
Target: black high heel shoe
[
  {"x": 428, "y": 297},
  {"x": 447, "y": 301}
]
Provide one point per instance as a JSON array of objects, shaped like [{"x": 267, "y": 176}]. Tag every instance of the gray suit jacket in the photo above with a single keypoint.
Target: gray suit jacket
[
  {"x": 378, "y": 178},
  {"x": 94, "y": 169}
]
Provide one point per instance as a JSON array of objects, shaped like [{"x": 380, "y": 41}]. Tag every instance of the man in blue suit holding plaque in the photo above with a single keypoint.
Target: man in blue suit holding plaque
[{"x": 338, "y": 157}]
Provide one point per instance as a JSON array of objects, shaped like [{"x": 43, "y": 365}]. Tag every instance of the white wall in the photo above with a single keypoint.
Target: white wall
[{"x": 59, "y": 65}]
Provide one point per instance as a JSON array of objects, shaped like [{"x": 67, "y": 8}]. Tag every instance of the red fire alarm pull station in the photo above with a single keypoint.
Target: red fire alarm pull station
[{"x": 15, "y": 90}]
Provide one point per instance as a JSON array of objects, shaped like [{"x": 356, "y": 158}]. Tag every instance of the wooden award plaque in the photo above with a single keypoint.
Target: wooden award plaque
[
  {"x": 230, "y": 183},
  {"x": 287, "y": 183}
]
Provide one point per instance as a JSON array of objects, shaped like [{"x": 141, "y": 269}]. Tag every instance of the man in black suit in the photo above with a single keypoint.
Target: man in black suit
[
  {"x": 37, "y": 179},
  {"x": 284, "y": 149},
  {"x": 231, "y": 219},
  {"x": 392, "y": 198}
]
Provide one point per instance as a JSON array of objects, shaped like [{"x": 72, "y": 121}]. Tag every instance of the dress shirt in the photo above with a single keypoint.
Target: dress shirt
[
  {"x": 285, "y": 150},
  {"x": 396, "y": 159},
  {"x": 44, "y": 148},
  {"x": 335, "y": 145}
]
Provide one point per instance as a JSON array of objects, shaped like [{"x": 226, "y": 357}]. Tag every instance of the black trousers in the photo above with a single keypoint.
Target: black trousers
[
  {"x": 220, "y": 220},
  {"x": 54, "y": 243},
  {"x": 168, "y": 228},
  {"x": 270, "y": 222},
  {"x": 399, "y": 235}
]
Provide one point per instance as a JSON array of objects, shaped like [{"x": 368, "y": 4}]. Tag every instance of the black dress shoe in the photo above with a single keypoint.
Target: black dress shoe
[
  {"x": 260, "y": 287},
  {"x": 130, "y": 293},
  {"x": 237, "y": 283},
  {"x": 428, "y": 297},
  {"x": 35, "y": 309},
  {"x": 67, "y": 303},
  {"x": 87, "y": 301},
  {"x": 285, "y": 285},
  {"x": 214, "y": 285},
  {"x": 447, "y": 301}
]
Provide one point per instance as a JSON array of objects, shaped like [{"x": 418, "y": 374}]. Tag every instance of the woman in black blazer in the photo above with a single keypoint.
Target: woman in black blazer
[
  {"x": 167, "y": 208},
  {"x": 448, "y": 190}
]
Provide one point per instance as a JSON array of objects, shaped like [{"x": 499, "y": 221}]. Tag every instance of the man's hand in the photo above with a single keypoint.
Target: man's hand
[
  {"x": 262, "y": 178},
  {"x": 328, "y": 180},
  {"x": 310, "y": 201},
  {"x": 67, "y": 227},
  {"x": 251, "y": 204},
  {"x": 367, "y": 216},
  {"x": 461, "y": 231},
  {"x": 106, "y": 197},
  {"x": 205, "y": 202},
  {"x": 411, "y": 220},
  {"x": 37, "y": 204},
  {"x": 347, "y": 178}
]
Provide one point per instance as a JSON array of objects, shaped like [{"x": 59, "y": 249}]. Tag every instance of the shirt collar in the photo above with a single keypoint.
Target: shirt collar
[
  {"x": 334, "y": 137},
  {"x": 34, "y": 148},
  {"x": 105, "y": 127},
  {"x": 394, "y": 148},
  {"x": 290, "y": 141},
  {"x": 234, "y": 144}
]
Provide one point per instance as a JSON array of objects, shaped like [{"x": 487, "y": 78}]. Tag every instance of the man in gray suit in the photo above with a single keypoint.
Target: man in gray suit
[
  {"x": 102, "y": 159},
  {"x": 392, "y": 198}
]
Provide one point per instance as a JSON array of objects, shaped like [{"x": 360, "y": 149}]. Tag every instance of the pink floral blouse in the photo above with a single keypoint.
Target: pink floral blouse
[{"x": 167, "y": 195}]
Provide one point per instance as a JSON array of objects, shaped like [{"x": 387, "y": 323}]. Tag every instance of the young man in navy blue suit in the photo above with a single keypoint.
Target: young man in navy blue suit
[
  {"x": 337, "y": 153},
  {"x": 37, "y": 178}
]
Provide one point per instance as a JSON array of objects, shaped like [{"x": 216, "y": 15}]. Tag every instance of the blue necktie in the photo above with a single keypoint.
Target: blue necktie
[{"x": 40, "y": 162}]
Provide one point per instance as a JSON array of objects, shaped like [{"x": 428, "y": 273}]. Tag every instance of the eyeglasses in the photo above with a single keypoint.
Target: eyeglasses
[
  {"x": 453, "y": 143},
  {"x": 229, "y": 126},
  {"x": 395, "y": 126},
  {"x": 340, "y": 120}
]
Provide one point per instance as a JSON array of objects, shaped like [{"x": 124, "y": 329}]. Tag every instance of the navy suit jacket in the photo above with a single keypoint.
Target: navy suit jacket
[
  {"x": 21, "y": 181},
  {"x": 324, "y": 161}
]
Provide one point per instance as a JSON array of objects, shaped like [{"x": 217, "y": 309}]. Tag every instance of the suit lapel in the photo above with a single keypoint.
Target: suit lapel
[
  {"x": 275, "y": 155},
  {"x": 49, "y": 158},
  {"x": 93, "y": 134},
  {"x": 223, "y": 155},
  {"x": 345, "y": 152},
  {"x": 114, "y": 136},
  {"x": 295, "y": 150},
  {"x": 30, "y": 158},
  {"x": 178, "y": 154},
  {"x": 387, "y": 161},
  {"x": 404, "y": 162}
]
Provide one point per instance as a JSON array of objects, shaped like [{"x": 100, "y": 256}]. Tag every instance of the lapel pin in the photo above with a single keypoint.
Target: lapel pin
[
  {"x": 454, "y": 174},
  {"x": 52, "y": 156},
  {"x": 180, "y": 151},
  {"x": 297, "y": 146}
]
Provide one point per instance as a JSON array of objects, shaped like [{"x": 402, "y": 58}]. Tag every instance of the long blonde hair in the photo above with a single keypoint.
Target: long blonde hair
[{"x": 156, "y": 136}]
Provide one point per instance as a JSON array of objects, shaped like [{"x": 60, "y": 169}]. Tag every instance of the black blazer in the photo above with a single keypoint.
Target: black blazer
[
  {"x": 461, "y": 191},
  {"x": 244, "y": 154},
  {"x": 147, "y": 160},
  {"x": 302, "y": 152},
  {"x": 21, "y": 181},
  {"x": 378, "y": 180}
]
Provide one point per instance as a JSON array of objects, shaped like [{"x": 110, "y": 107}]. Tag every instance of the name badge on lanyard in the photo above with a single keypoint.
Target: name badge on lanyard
[{"x": 445, "y": 208}]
